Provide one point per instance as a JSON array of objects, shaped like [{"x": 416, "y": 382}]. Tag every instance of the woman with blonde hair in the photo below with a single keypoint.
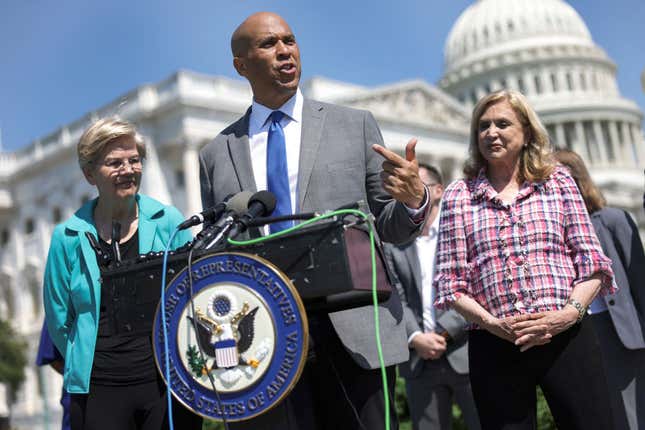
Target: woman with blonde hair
[
  {"x": 518, "y": 258},
  {"x": 109, "y": 368},
  {"x": 619, "y": 319}
]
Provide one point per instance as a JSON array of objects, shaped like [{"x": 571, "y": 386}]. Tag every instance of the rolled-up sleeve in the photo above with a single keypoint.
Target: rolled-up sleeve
[
  {"x": 452, "y": 274},
  {"x": 580, "y": 237}
]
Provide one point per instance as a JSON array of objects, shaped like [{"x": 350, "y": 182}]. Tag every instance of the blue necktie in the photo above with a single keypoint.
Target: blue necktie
[{"x": 277, "y": 173}]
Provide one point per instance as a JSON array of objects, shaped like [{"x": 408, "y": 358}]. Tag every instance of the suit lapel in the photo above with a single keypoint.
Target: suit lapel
[
  {"x": 238, "y": 147},
  {"x": 313, "y": 117},
  {"x": 415, "y": 267}
]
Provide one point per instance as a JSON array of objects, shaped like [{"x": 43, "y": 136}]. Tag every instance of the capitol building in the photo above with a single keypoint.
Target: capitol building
[{"x": 541, "y": 48}]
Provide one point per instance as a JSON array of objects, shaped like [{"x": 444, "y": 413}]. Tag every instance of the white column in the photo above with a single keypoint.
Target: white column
[
  {"x": 153, "y": 180},
  {"x": 600, "y": 141},
  {"x": 15, "y": 280},
  {"x": 545, "y": 77},
  {"x": 560, "y": 138},
  {"x": 575, "y": 78},
  {"x": 511, "y": 81},
  {"x": 639, "y": 145},
  {"x": 628, "y": 145},
  {"x": 529, "y": 83},
  {"x": 580, "y": 145},
  {"x": 191, "y": 178},
  {"x": 561, "y": 76},
  {"x": 616, "y": 143}
]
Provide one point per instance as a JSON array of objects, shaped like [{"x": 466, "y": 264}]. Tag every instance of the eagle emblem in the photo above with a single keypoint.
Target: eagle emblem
[{"x": 225, "y": 334}]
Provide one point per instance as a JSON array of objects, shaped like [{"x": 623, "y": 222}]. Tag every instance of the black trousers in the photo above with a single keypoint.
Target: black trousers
[
  {"x": 333, "y": 393},
  {"x": 133, "y": 407},
  {"x": 568, "y": 369}
]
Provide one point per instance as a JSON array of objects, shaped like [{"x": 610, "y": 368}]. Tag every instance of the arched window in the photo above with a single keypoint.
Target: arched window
[
  {"x": 57, "y": 215},
  {"x": 29, "y": 226},
  {"x": 7, "y": 297},
  {"x": 4, "y": 237},
  {"x": 179, "y": 178}
]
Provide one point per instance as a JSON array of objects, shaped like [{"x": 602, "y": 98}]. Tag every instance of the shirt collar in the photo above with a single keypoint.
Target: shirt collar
[
  {"x": 482, "y": 189},
  {"x": 292, "y": 108}
]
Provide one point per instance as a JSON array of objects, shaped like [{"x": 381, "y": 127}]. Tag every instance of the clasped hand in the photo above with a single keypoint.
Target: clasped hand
[
  {"x": 400, "y": 176},
  {"x": 529, "y": 330},
  {"x": 429, "y": 346}
]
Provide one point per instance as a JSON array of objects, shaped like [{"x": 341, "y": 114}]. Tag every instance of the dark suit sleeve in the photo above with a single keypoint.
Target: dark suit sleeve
[
  {"x": 454, "y": 324},
  {"x": 630, "y": 248},
  {"x": 205, "y": 181},
  {"x": 393, "y": 222},
  {"x": 411, "y": 323}
]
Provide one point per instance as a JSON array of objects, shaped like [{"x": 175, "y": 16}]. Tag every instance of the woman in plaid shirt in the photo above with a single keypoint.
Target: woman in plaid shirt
[{"x": 518, "y": 257}]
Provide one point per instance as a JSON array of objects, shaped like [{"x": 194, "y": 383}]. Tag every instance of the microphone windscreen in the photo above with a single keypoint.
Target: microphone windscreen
[
  {"x": 267, "y": 199},
  {"x": 239, "y": 202}
]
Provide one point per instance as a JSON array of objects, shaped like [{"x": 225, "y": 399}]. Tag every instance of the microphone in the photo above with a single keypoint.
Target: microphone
[
  {"x": 261, "y": 204},
  {"x": 210, "y": 214},
  {"x": 116, "y": 237},
  {"x": 234, "y": 207}
]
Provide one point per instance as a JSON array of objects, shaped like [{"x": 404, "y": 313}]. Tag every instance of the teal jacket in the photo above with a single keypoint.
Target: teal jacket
[{"x": 72, "y": 289}]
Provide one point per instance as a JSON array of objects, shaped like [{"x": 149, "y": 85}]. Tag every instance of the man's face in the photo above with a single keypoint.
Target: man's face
[{"x": 272, "y": 61}]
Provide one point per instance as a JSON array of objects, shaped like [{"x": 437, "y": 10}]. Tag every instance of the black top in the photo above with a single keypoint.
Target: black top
[{"x": 122, "y": 358}]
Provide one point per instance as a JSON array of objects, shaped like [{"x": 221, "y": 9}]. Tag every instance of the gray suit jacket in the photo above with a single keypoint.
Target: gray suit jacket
[
  {"x": 618, "y": 236},
  {"x": 404, "y": 260},
  {"x": 337, "y": 166}
]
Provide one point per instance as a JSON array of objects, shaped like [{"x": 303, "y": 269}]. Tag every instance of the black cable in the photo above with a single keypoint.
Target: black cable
[{"x": 344, "y": 390}]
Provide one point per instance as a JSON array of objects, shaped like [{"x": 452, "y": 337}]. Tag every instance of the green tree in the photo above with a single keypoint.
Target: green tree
[{"x": 13, "y": 358}]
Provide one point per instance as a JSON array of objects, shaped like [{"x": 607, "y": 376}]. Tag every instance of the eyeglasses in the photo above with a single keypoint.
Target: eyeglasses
[{"x": 118, "y": 164}]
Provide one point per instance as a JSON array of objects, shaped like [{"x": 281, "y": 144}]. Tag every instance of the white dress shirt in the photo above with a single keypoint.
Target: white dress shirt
[
  {"x": 259, "y": 133},
  {"x": 426, "y": 251}
]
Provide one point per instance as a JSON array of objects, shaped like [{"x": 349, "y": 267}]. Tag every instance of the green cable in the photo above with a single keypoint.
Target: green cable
[{"x": 360, "y": 214}]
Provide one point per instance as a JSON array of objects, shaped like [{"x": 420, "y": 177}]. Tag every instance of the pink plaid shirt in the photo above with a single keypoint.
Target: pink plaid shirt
[{"x": 523, "y": 257}]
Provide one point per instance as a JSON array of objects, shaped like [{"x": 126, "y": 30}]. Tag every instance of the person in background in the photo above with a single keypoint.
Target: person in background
[
  {"x": 518, "y": 258},
  {"x": 437, "y": 372},
  {"x": 110, "y": 374},
  {"x": 619, "y": 319},
  {"x": 48, "y": 354}
]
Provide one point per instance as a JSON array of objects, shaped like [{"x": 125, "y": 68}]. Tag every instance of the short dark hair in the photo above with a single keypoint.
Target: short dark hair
[{"x": 433, "y": 172}]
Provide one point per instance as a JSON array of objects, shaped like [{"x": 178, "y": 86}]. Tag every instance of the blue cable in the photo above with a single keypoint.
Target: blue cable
[{"x": 165, "y": 331}]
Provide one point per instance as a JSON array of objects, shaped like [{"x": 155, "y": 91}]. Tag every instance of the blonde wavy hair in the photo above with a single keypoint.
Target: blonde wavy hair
[
  {"x": 100, "y": 134},
  {"x": 536, "y": 158}
]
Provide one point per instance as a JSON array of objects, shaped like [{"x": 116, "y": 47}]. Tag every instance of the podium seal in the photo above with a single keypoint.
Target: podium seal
[{"x": 247, "y": 336}]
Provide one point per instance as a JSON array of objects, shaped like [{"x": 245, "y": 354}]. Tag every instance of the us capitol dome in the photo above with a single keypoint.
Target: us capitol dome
[{"x": 545, "y": 50}]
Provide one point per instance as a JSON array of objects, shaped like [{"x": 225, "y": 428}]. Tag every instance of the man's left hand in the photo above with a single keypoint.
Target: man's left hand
[{"x": 400, "y": 175}]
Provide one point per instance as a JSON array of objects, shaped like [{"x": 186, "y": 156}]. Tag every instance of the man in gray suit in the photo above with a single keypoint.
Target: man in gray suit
[
  {"x": 331, "y": 156},
  {"x": 437, "y": 371}
]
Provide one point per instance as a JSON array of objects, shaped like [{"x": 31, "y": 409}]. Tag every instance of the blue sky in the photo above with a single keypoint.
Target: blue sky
[{"x": 61, "y": 59}]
